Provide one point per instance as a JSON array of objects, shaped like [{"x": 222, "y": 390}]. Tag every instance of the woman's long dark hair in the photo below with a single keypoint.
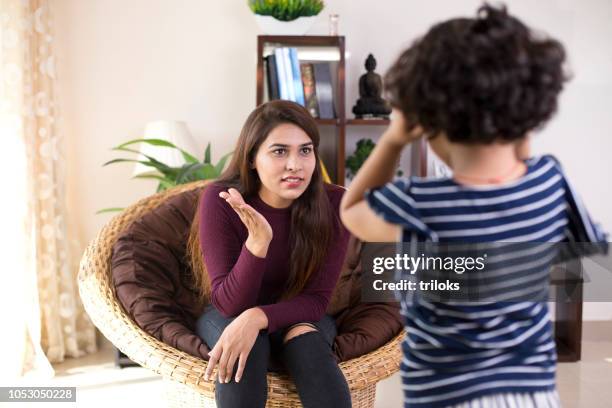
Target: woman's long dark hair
[{"x": 311, "y": 213}]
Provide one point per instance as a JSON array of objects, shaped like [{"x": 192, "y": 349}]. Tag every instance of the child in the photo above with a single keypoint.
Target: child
[{"x": 475, "y": 87}]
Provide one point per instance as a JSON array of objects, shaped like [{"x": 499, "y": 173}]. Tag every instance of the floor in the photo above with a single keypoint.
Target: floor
[{"x": 587, "y": 383}]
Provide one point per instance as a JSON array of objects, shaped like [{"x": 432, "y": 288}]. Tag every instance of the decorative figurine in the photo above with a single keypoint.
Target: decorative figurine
[{"x": 370, "y": 103}]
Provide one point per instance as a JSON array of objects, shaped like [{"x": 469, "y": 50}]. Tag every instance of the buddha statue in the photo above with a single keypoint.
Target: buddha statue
[{"x": 370, "y": 103}]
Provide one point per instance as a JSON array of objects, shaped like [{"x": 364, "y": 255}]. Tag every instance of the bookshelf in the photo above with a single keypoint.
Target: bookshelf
[{"x": 334, "y": 160}]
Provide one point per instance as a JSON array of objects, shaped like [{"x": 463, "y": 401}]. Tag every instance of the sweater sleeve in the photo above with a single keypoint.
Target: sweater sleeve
[
  {"x": 310, "y": 305},
  {"x": 235, "y": 273}
]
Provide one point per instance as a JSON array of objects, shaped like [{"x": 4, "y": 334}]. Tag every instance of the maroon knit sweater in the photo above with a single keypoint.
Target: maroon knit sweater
[{"x": 240, "y": 280}]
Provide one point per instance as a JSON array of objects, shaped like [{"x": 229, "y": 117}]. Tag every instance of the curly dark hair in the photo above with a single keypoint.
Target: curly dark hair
[{"x": 478, "y": 80}]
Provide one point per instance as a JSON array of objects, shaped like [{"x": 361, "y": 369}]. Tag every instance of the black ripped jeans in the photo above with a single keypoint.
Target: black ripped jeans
[{"x": 307, "y": 357}]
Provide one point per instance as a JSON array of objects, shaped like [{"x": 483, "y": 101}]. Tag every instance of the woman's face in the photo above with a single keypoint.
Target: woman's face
[{"x": 284, "y": 162}]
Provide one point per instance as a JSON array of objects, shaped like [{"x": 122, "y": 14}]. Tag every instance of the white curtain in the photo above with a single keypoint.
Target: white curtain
[{"x": 43, "y": 320}]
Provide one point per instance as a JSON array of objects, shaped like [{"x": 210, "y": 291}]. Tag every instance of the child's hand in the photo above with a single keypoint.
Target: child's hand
[{"x": 398, "y": 132}]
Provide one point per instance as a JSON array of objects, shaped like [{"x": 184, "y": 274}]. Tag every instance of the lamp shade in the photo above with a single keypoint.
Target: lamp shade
[{"x": 172, "y": 131}]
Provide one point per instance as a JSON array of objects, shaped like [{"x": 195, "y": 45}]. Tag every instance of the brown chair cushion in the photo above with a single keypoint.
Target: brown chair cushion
[{"x": 152, "y": 278}]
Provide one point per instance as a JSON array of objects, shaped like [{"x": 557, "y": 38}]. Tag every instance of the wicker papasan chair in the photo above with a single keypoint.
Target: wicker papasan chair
[{"x": 183, "y": 373}]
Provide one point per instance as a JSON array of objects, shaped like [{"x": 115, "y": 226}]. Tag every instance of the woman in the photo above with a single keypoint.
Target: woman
[{"x": 271, "y": 247}]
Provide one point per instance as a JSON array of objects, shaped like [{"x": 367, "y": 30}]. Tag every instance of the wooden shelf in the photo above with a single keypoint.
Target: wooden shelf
[
  {"x": 332, "y": 122},
  {"x": 368, "y": 122},
  {"x": 568, "y": 314},
  {"x": 337, "y": 152},
  {"x": 303, "y": 40}
]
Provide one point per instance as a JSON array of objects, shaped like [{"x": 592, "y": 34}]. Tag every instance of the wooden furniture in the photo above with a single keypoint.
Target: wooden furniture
[
  {"x": 183, "y": 373},
  {"x": 568, "y": 313},
  {"x": 335, "y": 161}
]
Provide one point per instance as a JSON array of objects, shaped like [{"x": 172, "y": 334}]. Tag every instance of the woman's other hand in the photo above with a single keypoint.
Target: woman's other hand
[
  {"x": 260, "y": 231},
  {"x": 235, "y": 344}
]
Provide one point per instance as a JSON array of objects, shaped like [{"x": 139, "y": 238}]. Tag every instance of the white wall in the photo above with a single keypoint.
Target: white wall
[{"x": 122, "y": 63}]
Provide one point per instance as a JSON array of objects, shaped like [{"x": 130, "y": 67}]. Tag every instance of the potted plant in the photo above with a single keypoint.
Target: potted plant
[
  {"x": 169, "y": 176},
  {"x": 285, "y": 17},
  {"x": 362, "y": 152}
]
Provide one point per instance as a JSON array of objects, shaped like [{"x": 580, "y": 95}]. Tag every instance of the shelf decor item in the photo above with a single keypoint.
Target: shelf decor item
[
  {"x": 362, "y": 152},
  {"x": 370, "y": 104},
  {"x": 285, "y": 17},
  {"x": 356, "y": 160}
]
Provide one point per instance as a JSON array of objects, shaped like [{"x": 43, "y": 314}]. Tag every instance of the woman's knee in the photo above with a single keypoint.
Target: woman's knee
[
  {"x": 210, "y": 326},
  {"x": 297, "y": 330},
  {"x": 261, "y": 347}
]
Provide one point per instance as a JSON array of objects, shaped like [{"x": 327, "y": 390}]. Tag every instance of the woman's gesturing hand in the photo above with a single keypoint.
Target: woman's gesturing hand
[
  {"x": 260, "y": 232},
  {"x": 235, "y": 344}
]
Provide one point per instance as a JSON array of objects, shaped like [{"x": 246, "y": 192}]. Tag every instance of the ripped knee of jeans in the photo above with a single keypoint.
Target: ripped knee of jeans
[{"x": 297, "y": 330}]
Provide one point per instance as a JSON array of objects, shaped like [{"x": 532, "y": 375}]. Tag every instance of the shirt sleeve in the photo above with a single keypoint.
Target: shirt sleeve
[
  {"x": 235, "y": 273},
  {"x": 394, "y": 203},
  {"x": 584, "y": 235},
  {"x": 310, "y": 305}
]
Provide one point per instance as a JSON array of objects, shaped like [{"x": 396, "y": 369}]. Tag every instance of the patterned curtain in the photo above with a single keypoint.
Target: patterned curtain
[{"x": 43, "y": 318}]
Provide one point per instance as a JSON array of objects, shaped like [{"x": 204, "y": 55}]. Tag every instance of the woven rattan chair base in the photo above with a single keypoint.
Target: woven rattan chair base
[
  {"x": 183, "y": 373},
  {"x": 178, "y": 395}
]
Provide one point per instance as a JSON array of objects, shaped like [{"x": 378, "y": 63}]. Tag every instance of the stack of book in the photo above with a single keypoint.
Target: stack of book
[{"x": 307, "y": 83}]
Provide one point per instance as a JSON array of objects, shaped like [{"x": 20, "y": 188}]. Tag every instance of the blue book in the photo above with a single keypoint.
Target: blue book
[
  {"x": 282, "y": 73},
  {"x": 288, "y": 75},
  {"x": 297, "y": 77}
]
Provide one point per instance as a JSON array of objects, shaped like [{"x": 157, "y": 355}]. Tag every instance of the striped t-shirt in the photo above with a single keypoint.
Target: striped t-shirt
[{"x": 456, "y": 352}]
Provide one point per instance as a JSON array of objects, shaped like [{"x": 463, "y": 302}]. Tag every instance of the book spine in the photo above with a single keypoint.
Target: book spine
[
  {"x": 297, "y": 77},
  {"x": 282, "y": 81},
  {"x": 288, "y": 75},
  {"x": 310, "y": 96},
  {"x": 324, "y": 90},
  {"x": 272, "y": 77}
]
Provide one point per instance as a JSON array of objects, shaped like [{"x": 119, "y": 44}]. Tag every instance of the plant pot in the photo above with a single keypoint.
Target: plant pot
[{"x": 270, "y": 25}]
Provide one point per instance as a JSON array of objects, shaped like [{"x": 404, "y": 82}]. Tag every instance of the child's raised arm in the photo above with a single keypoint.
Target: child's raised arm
[{"x": 377, "y": 170}]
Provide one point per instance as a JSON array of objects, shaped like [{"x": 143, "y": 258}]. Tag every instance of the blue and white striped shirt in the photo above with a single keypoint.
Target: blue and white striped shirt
[{"x": 457, "y": 352}]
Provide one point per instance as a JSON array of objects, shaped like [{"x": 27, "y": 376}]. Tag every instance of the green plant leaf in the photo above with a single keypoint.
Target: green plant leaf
[
  {"x": 151, "y": 159},
  {"x": 166, "y": 184},
  {"x": 286, "y": 10},
  {"x": 125, "y": 149},
  {"x": 168, "y": 171},
  {"x": 112, "y": 209},
  {"x": 221, "y": 164},
  {"x": 362, "y": 152},
  {"x": 125, "y": 160},
  {"x": 187, "y": 172},
  {"x": 207, "y": 154},
  {"x": 207, "y": 172},
  {"x": 189, "y": 158},
  {"x": 154, "y": 142},
  {"x": 149, "y": 176}
]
